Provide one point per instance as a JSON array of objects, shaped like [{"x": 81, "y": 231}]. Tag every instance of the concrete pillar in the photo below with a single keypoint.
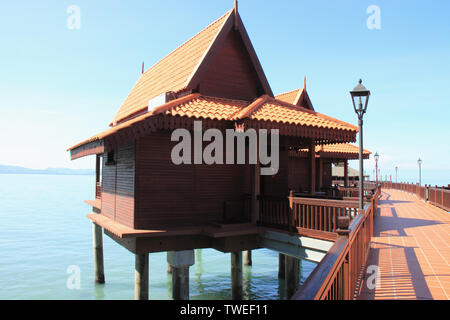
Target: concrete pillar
[
  {"x": 180, "y": 261},
  {"x": 281, "y": 265},
  {"x": 291, "y": 276},
  {"x": 99, "y": 272},
  {"x": 141, "y": 277},
  {"x": 248, "y": 258},
  {"x": 236, "y": 275}
]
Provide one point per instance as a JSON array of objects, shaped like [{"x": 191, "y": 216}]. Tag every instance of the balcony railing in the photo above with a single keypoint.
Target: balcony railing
[{"x": 98, "y": 190}]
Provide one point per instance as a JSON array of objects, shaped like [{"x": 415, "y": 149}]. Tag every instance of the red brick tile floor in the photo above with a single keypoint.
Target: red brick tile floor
[{"x": 411, "y": 247}]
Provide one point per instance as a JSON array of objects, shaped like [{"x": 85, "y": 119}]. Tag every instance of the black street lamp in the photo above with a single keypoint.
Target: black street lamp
[
  {"x": 376, "y": 156},
  {"x": 420, "y": 171},
  {"x": 360, "y": 98}
]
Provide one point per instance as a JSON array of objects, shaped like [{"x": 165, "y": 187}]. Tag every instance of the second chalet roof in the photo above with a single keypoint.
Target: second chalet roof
[{"x": 291, "y": 96}]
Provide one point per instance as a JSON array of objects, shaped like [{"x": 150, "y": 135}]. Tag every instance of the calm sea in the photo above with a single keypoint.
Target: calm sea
[{"x": 44, "y": 231}]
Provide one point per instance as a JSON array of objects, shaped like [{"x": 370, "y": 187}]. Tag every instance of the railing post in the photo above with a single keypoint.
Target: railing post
[
  {"x": 292, "y": 226},
  {"x": 343, "y": 225}
]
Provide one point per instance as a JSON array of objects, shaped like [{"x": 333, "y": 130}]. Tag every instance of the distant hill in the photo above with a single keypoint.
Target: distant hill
[{"x": 54, "y": 171}]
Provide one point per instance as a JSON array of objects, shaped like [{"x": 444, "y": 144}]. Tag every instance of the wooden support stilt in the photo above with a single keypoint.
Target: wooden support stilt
[
  {"x": 291, "y": 276},
  {"x": 99, "y": 272},
  {"x": 248, "y": 258},
  {"x": 236, "y": 275},
  {"x": 180, "y": 283},
  {"x": 281, "y": 265},
  {"x": 141, "y": 277}
]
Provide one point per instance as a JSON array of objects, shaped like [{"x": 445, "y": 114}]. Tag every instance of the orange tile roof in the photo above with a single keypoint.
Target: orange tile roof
[
  {"x": 262, "y": 109},
  {"x": 279, "y": 111},
  {"x": 341, "y": 148},
  {"x": 173, "y": 72},
  {"x": 290, "y": 97}
]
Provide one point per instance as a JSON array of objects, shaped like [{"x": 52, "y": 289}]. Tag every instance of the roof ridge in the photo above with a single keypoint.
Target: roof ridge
[
  {"x": 190, "y": 39},
  {"x": 252, "y": 107}
]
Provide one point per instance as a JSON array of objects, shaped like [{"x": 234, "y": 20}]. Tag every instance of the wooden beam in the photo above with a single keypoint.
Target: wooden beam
[{"x": 312, "y": 167}]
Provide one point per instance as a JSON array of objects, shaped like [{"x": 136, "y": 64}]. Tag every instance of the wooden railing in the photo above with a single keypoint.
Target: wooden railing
[
  {"x": 338, "y": 275},
  {"x": 354, "y": 192},
  {"x": 275, "y": 212},
  {"x": 320, "y": 214},
  {"x": 437, "y": 196},
  {"x": 305, "y": 215},
  {"x": 98, "y": 190}
]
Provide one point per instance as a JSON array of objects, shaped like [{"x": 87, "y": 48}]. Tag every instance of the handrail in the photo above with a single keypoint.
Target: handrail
[
  {"x": 437, "y": 196},
  {"x": 336, "y": 277}
]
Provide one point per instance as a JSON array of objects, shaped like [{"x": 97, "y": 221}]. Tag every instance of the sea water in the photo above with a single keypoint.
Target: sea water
[{"x": 45, "y": 236}]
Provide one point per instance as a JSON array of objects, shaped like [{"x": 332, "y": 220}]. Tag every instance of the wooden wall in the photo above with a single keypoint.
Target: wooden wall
[
  {"x": 184, "y": 195},
  {"x": 118, "y": 186},
  {"x": 277, "y": 185},
  {"x": 231, "y": 73},
  {"x": 298, "y": 174}
]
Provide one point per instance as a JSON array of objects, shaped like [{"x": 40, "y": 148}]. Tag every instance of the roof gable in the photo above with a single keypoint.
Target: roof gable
[
  {"x": 297, "y": 97},
  {"x": 183, "y": 69}
]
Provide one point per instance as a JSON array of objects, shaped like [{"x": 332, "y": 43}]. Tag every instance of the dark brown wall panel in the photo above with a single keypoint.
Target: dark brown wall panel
[
  {"x": 277, "y": 185},
  {"x": 185, "y": 195},
  {"x": 298, "y": 174},
  {"x": 118, "y": 186},
  {"x": 231, "y": 73}
]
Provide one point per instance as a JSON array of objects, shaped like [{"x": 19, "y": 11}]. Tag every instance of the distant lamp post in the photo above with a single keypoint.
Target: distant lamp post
[
  {"x": 377, "y": 157},
  {"x": 420, "y": 171},
  {"x": 396, "y": 174},
  {"x": 360, "y": 98}
]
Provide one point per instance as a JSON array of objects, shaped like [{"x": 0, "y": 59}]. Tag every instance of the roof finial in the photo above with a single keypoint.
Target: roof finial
[
  {"x": 142, "y": 67},
  {"x": 236, "y": 21},
  {"x": 304, "y": 83}
]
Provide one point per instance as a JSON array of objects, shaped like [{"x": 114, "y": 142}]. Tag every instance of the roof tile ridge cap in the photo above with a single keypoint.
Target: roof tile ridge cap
[
  {"x": 187, "y": 41},
  {"x": 169, "y": 105},
  {"x": 202, "y": 59},
  {"x": 252, "y": 107},
  {"x": 293, "y": 106}
]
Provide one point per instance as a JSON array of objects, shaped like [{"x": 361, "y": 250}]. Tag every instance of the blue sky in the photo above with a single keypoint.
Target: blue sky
[{"x": 60, "y": 86}]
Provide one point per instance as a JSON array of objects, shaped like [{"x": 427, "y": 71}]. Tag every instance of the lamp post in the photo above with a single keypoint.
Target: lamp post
[
  {"x": 360, "y": 98},
  {"x": 420, "y": 171},
  {"x": 396, "y": 174},
  {"x": 376, "y": 156}
]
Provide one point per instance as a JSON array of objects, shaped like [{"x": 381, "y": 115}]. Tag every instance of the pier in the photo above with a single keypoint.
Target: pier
[{"x": 411, "y": 246}]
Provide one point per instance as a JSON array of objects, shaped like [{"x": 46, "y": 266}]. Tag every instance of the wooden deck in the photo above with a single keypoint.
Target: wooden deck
[{"x": 411, "y": 247}]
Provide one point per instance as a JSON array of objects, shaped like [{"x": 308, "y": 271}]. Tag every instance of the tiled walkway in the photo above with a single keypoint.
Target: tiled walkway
[{"x": 411, "y": 247}]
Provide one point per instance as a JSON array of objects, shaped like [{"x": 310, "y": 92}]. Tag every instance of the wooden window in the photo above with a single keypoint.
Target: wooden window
[{"x": 110, "y": 160}]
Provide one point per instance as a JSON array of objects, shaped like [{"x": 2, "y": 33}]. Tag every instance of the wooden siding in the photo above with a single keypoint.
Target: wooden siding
[
  {"x": 299, "y": 174},
  {"x": 118, "y": 186},
  {"x": 277, "y": 185},
  {"x": 184, "y": 195},
  {"x": 231, "y": 73}
]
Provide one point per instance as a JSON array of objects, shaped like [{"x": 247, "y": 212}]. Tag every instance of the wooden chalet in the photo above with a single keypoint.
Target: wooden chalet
[{"x": 148, "y": 204}]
